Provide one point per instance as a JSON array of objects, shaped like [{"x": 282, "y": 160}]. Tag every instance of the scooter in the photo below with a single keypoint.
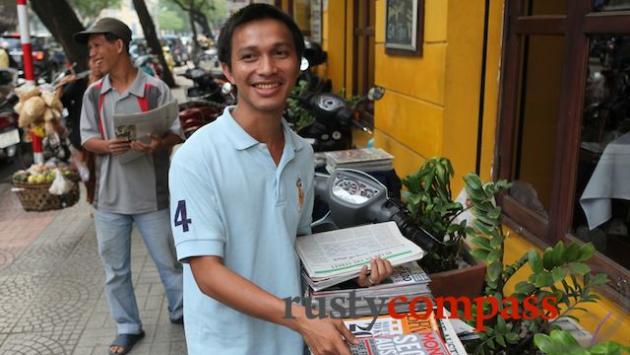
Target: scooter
[
  {"x": 205, "y": 86},
  {"x": 334, "y": 119},
  {"x": 10, "y": 141},
  {"x": 149, "y": 64},
  {"x": 197, "y": 112},
  {"x": 354, "y": 198}
]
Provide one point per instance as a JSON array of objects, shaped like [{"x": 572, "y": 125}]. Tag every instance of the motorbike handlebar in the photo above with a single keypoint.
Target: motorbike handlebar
[{"x": 413, "y": 232}]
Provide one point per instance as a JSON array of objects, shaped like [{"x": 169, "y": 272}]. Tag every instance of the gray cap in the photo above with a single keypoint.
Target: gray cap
[{"x": 103, "y": 26}]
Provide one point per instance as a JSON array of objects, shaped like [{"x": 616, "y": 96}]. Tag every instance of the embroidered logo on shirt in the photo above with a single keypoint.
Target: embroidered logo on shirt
[{"x": 300, "y": 193}]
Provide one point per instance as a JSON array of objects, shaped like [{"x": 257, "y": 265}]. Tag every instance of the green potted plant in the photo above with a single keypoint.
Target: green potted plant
[
  {"x": 430, "y": 203},
  {"x": 561, "y": 342},
  {"x": 560, "y": 272}
]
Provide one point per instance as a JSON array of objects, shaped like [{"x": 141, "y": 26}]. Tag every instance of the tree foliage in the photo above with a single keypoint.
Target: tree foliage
[
  {"x": 90, "y": 9},
  {"x": 172, "y": 21}
]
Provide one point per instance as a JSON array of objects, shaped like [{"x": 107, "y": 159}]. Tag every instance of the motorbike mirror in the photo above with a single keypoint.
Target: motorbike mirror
[
  {"x": 226, "y": 89},
  {"x": 375, "y": 93},
  {"x": 304, "y": 64}
]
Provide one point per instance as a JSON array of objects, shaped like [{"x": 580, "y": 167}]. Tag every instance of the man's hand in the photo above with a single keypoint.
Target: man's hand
[
  {"x": 117, "y": 146},
  {"x": 156, "y": 144},
  {"x": 326, "y": 336},
  {"x": 380, "y": 269}
]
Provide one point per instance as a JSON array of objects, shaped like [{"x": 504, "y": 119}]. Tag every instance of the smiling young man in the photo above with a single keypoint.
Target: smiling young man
[
  {"x": 241, "y": 191},
  {"x": 131, "y": 192}
]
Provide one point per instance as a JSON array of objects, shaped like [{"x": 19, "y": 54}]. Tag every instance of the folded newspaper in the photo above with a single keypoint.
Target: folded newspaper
[
  {"x": 408, "y": 279},
  {"x": 365, "y": 159},
  {"x": 140, "y": 126},
  {"x": 332, "y": 257}
]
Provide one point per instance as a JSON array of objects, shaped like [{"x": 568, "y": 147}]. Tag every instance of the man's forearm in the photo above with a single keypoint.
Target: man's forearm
[
  {"x": 217, "y": 281},
  {"x": 170, "y": 139},
  {"x": 97, "y": 146}
]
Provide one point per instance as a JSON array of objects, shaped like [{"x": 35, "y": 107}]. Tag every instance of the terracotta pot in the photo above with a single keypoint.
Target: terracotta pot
[{"x": 466, "y": 281}]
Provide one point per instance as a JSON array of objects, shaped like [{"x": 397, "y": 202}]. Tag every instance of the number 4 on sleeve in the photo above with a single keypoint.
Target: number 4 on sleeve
[{"x": 180, "y": 216}]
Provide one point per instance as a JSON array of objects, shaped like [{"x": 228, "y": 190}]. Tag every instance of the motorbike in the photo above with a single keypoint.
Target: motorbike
[
  {"x": 354, "y": 197},
  {"x": 314, "y": 55},
  {"x": 149, "y": 64},
  {"x": 206, "y": 86},
  {"x": 334, "y": 119},
  {"x": 207, "y": 99},
  {"x": 12, "y": 149}
]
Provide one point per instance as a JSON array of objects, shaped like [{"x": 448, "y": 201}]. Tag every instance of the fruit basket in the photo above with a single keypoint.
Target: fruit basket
[{"x": 31, "y": 186}]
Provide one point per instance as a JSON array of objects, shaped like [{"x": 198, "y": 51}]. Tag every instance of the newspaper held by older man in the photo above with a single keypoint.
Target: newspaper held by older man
[{"x": 141, "y": 126}]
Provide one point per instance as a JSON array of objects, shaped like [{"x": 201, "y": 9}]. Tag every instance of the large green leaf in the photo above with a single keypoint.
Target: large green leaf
[
  {"x": 543, "y": 279},
  {"x": 599, "y": 279},
  {"x": 472, "y": 181},
  {"x": 586, "y": 252},
  {"x": 572, "y": 252},
  {"x": 579, "y": 268},
  {"x": 512, "y": 338},
  {"x": 494, "y": 256},
  {"x": 482, "y": 243},
  {"x": 559, "y": 273},
  {"x": 607, "y": 348},
  {"x": 479, "y": 254},
  {"x": 534, "y": 261},
  {"x": 525, "y": 288},
  {"x": 548, "y": 259},
  {"x": 494, "y": 271},
  {"x": 500, "y": 340},
  {"x": 557, "y": 256}
]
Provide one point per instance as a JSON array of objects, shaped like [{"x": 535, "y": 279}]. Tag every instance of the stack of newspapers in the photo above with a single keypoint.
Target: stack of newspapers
[
  {"x": 408, "y": 279},
  {"x": 365, "y": 159},
  {"x": 330, "y": 258}
]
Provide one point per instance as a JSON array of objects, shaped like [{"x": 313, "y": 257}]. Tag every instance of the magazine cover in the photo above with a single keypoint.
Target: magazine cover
[
  {"x": 386, "y": 325},
  {"x": 409, "y": 344}
]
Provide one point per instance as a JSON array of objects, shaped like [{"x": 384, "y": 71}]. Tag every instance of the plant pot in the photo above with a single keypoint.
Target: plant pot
[{"x": 467, "y": 281}]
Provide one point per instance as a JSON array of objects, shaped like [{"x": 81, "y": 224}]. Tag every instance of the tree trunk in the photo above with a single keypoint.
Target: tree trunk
[
  {"x": 148, "y": 27},
  {"x": 195, "y": 47},
  {"x": 8, "y": 20},
  {"x": 62, "y": 22},
  {"x": 202, "y": 20}
]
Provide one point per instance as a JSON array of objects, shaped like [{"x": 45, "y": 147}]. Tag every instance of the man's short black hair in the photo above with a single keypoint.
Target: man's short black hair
[
  {"x": 256, "y": 12},
  {"x": 110, "y": 37}
]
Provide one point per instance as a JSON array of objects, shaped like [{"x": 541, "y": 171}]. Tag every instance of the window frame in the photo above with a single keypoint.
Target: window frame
[{"x": 576, "y": 26}]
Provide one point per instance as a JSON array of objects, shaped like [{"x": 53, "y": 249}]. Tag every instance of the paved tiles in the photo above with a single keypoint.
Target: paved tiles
[{"x": 51, "y": 287}]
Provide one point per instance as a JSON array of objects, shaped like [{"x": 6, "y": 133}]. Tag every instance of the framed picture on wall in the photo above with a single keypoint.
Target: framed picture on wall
[{"x": 404, "y": 24}]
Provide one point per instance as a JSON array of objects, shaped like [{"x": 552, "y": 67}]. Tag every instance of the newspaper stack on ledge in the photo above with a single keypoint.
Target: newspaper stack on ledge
[
  {"x": 408, "y": 279},
  {"x": 365, "y": 159},
  {"x": 333, "y": 257}
]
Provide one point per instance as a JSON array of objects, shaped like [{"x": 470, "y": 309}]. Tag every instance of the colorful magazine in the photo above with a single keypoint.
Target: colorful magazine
[{"x": 408, "y": 344}]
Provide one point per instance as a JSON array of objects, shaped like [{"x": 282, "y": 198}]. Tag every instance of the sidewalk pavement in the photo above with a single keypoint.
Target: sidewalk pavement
[{"x": 52, "y": 300}]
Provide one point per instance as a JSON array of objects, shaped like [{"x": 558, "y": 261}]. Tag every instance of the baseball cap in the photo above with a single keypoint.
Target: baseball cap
[{"x": 103, "y": 26}]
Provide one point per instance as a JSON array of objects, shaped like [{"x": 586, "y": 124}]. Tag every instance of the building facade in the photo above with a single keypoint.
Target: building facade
[{"x": 537, "y": 92}]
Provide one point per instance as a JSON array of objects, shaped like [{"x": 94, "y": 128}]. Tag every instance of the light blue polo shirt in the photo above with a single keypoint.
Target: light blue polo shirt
[{"x": 228, "y": 198}]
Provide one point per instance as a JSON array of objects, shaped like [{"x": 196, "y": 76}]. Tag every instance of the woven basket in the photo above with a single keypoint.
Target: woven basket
[{"x": 35, "y": 197}]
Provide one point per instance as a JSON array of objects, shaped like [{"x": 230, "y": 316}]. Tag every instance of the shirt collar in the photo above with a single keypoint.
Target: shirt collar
[
  {"x": 242, "y": 140},
  {"x": 136, "y": 88}
]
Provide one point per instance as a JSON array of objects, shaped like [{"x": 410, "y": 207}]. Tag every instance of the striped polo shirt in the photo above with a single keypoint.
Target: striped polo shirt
[{"x": 138, "y": 186}]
